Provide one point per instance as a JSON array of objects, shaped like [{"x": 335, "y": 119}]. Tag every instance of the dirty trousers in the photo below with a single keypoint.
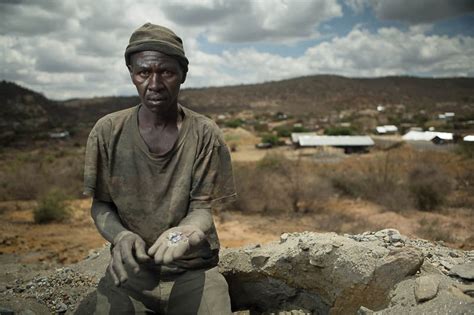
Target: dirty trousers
[{"x": 203, "y": 291}]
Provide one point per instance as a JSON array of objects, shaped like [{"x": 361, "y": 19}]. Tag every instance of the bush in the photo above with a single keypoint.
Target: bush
[
  {"x": 277, "y": 184},
  {"x": 269, "y": 138},
  {"x": 283, "y": 131},
  {"x": 429, "y": 186},
  {"x": 52, "y": 207},
  {"x": 338, "y": 131},
  {"x": 234, "y": 123},
  {"x": 466, "y": 149}
]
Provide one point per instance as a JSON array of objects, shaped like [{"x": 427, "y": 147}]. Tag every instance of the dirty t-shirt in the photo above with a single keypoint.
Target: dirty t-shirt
[{"x": 153, "y": 193}]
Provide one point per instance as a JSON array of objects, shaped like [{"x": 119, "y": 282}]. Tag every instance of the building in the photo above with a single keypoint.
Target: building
[
  {"x": 468, "y": 138},
  {"x": 350, "y": 144},
  {"x": 433, "y": 136},
  {"x": 386, "y": 129}
]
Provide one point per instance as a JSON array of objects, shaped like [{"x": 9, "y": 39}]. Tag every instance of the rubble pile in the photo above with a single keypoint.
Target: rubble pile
[{"x": 379, "y": 272}]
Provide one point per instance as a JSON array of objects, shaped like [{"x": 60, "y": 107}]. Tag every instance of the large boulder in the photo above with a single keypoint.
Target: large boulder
[{"x": 317, "y": 273}]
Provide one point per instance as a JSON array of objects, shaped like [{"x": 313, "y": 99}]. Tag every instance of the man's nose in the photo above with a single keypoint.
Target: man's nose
[{"x": 155, "y": 82}]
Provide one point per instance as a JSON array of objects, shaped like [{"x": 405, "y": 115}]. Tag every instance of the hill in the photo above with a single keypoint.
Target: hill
[
  {"x": 323, "y": 93},
  {"x": 24, "y": 111}
]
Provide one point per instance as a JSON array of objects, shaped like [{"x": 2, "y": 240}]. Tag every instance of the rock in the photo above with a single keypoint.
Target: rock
[
  {"x": 259, "y": 260},
  {"x": 446, "y": 264},
  {"x": 302, "y": 273},
  {"x": 465, "y": 271},
  {"x": 283, "y": 237},
  {"x": 61, "y": 308},
  {"x": 467, "y": 289},
  {"x": 335, "y": 279},
  {"x": 364, "y": 311},
  {"x": 390, "y": 233},
  {"x": 6, "y": 311},
  {"x": 426, "y": 288}
]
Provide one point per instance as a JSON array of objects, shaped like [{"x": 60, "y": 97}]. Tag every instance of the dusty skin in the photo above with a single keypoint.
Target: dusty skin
[{"x": 65, "y": 243}]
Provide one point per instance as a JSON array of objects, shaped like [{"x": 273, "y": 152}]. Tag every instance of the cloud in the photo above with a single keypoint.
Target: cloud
[
  {"x": 413, "y": 12},
  {"x": 75, "y": 49},
  {"x": 360, "y": 53},
  {"x": 250, "y": 21}
]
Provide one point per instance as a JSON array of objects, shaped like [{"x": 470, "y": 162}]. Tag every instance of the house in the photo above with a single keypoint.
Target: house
[
  {"x": 296, "y": 135},
  {"x": 433, "y": 136},
  {"x": 350, "y": 144},
  {"x": 447, "y": 116},
  {"x": 386, "y": 129},
  {"x": 468, "y": 138},
  {"x": 59, "y": 135}
]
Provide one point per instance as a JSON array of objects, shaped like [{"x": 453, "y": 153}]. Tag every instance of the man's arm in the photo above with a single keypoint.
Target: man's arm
[
  {"x": 107, "y": 220},
  {"x": 128, "y": 247},
  {"x": 200, "y": 218}
]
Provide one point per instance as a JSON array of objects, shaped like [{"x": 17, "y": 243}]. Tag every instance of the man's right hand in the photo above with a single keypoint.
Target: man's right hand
[{"x": 129, "y": 249}]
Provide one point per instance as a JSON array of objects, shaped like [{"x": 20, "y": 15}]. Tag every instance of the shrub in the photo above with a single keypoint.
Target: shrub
[
  {"x": 466, "y": 149},
  {"x": 338, "y": 131},
  {"x": 278, "y": 184},
  {"x": 429, "y": 186},
  {"x": 234, "y": 123},
  {"x": 283, "y": 131},
  {"x": 269, "y": 138},
  {"x": 52, "y": 207}
]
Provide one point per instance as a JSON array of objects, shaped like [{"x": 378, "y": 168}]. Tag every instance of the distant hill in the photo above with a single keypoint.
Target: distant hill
[
  {"x": 26, "y": 114},
  {"x": 24, "y": 111},
  {"x": 323, "y": 93}
]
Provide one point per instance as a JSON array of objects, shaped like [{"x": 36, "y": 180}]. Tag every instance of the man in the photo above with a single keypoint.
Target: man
[{"x": 154, "y": 171}]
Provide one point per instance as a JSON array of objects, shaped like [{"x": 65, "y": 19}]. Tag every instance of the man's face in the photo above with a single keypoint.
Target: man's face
[{"x": 157, "y": 78}]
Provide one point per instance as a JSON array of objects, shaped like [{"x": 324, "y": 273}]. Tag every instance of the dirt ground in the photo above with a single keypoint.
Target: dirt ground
[{"x": 69, "y": 242}]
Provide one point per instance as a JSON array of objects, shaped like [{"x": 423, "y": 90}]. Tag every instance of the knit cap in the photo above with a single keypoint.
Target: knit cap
[{"x": 158, "y": 38}]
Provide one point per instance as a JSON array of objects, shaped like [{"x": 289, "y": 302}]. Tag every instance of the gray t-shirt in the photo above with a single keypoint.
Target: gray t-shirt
[{"x": 152, "y": 192}]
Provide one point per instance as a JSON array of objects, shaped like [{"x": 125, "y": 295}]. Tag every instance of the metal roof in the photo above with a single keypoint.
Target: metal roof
[
  {"x": 313, "y": 140},
  {"x": 295, "y": 135},
  {"x": 386, "y": 128},
  {"x": 469, "y": 138},
  {"x": 427, "y": 135}
]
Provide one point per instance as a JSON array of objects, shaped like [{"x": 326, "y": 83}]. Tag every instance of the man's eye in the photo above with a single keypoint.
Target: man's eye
[
  {"x": 144, "y": 73},
  {"x": 168, "y": 73}
]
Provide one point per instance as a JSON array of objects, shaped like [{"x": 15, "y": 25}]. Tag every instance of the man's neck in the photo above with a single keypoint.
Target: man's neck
[{"x": 150, "y": 119}]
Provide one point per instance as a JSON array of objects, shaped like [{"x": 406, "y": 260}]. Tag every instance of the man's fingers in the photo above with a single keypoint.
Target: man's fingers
[
  {"x": 168, "y": 255},
  {"x": 179, "y": 251},
  {"x": 140, "y": 251},
  {"x": 152, "y": 250},
  {"x": 160, "y": 253},
  {"x": 127, "y": 257},
  {"x": 196, "y": 237},
  {"x": 112, "y": 273},
  {"x": 118, "y": 267}
]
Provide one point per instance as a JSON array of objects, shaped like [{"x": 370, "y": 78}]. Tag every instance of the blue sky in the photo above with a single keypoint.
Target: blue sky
[{"x": 68, "y": 49}]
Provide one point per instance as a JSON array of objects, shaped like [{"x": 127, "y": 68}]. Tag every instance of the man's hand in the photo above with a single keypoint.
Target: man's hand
[
  {"x": 129, "y": 249},
  {"x": 173, "y": 243}
]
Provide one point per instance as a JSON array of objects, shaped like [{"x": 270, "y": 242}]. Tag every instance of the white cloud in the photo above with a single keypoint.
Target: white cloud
[
  {"x": 413, "y": 12},
  {"x": 250, "y": 21},
  {"x": 360, "y": 53},
  {"x": 75, "y": 49}
]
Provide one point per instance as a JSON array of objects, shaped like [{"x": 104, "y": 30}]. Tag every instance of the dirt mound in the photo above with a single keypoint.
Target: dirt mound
[{"x": 315, "y": 273}]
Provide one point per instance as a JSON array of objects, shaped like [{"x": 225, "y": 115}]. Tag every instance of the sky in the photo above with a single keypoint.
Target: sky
[{"x": 69, "y": 49}]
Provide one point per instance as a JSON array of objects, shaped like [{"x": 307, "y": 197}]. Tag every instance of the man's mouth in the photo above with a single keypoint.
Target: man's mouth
[{"x": 156, "y": 99}]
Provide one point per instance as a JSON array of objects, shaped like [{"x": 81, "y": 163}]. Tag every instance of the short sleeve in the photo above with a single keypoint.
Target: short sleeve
[
  {"x": 213, "y": 179},
  {"x": 96, "y": 170}
]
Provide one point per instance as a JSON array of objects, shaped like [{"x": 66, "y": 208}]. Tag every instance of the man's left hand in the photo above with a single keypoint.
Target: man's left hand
[{"x": 173, "y": 243}]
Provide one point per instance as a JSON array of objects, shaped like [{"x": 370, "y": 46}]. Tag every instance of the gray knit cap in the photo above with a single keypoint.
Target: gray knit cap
[{"x": 159, "y": 38}]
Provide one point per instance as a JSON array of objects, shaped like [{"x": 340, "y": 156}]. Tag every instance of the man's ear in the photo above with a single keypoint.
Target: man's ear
[{"x": 183, "y": 74}]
